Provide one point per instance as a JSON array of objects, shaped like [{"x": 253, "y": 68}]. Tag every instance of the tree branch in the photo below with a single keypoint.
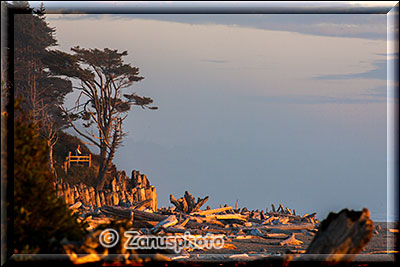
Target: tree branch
[{"x": 76, "y": 129}]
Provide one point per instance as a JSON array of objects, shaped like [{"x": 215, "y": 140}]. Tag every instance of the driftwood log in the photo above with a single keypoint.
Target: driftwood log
[
  {"x": 167, "y": 222},
  {"x": 145, "y": 203},
  {"x": 117, "y": 212},
  {"x": 211, "y": 211},
  {"x": 187, "y": 203},
  {"x": 228, "y": 217},
  {"x": 340, "y": 236},
  {"x": 291, "y": 241},
  {"x": 147, "y": 216},
  {"x": 284, "y": 227}
]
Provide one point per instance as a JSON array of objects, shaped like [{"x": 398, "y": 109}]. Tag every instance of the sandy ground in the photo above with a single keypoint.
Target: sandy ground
[{"x": 382, "y": 247}]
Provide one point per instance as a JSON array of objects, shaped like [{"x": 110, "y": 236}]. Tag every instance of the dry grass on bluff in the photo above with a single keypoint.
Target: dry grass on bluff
[{"x": 77, "y": 173}]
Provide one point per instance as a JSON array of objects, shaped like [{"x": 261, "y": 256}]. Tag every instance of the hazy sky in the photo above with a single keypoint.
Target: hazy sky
[{"x": 266, "y": 109}]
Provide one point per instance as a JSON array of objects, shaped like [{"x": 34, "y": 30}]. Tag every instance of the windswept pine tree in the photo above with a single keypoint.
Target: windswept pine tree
[{"x": 102, "y": 101}]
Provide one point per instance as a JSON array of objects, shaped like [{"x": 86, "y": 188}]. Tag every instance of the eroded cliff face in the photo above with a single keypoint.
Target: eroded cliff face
[{"x": 122, "y": 191}]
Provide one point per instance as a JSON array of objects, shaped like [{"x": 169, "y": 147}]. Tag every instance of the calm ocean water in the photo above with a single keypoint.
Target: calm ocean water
[
  {"x": 375, "y": 216},
  {"x": 382, "y": 217}
]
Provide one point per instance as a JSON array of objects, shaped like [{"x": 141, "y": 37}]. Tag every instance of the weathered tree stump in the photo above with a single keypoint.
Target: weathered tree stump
[
  {"x": 187, "y": 204},
  {"x": 341, "y": 236}
]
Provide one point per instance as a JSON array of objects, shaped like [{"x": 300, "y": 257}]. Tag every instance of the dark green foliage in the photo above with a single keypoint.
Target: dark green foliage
[
  {"x": 41, "y": 219},
  {"x": 40, "y": 90}
]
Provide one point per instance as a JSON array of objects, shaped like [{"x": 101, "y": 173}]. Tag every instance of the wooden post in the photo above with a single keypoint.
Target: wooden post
[
  {"x": 69, "y": 159},
  {"x": 66, "y": 166},
  {"x": 90, "y": 160}
]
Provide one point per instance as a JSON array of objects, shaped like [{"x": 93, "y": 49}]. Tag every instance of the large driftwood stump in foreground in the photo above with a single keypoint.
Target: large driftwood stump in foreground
[
  {"x": 341, "y": 236},
  {"x": 187, "y": 204}
]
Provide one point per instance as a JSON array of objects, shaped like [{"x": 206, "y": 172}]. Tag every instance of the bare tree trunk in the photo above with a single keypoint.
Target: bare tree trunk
[
  {"x": 51, "y": 145},
  {"x": 101, "y": 177},
  {"x": 106, "y": 159}
]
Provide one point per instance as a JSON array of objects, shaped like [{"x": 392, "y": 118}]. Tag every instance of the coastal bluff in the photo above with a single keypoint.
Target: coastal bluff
[{"x": 135, "y": 191}]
